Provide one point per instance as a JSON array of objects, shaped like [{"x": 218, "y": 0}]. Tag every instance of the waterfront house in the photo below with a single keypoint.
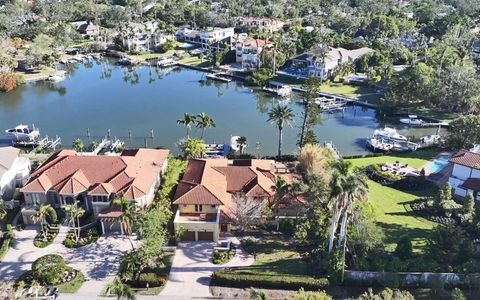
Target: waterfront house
[
  {"x": 249, "y": 52},
  {"x": 93, "y": 181},
  {"x": 204, "y": 197},
  {"x": 465, "y": 177},
  {"x": 212, "y": 38},
  {"x": 267, "y": 24},
  {"x": 14, "y": 171},
  {"x": 86, "y": 29},
  {"x": 321, "y": 62},
  {"x": 143, "y": 37}
]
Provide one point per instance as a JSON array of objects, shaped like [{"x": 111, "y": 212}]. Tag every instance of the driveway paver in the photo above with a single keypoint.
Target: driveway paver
[
  {"x": 99, "y": 262},
  {"x": 192, "y": 267}
]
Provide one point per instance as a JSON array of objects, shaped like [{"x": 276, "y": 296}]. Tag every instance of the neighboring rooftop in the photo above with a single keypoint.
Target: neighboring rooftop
[
  {"x": 214, "y": 181},
  {"x": 130, "y": 175},
  {"x": 467, "y": 158},
  {"x": 7, "y": 158}
]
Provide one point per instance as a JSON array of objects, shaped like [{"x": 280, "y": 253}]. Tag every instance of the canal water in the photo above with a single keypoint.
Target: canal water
[{"x": 102, "y": 96}]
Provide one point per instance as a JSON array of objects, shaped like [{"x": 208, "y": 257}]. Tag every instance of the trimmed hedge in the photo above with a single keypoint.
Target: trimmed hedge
[
  {"x": 153, "y": 279},
  {"x": 284, "y": 281}
]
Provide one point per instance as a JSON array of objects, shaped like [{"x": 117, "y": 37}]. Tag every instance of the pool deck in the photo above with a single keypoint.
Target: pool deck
[{"x": 440, "y": 178}]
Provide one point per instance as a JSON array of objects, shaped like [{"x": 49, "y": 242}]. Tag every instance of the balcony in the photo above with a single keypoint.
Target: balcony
[{"x": 181, "y": 217}]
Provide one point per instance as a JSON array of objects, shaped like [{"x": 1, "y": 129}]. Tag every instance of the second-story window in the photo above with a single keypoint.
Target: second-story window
[{"x": 198, "y": 208}]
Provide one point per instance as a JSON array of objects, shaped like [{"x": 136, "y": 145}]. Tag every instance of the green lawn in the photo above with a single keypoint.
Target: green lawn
[
  {"x": 275, "y": 255},
  {"x": 195, "y": 61},
  {"x": 392, "y": 207}
]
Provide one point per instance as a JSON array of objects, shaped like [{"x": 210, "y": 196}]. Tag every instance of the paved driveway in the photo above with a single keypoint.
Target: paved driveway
[
  {"x": 192, "y": 267},
  {"x": 99, "y": 261}
]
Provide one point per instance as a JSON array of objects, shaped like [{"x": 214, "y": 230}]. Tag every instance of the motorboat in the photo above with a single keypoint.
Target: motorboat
[
  {"x": 166, "y": 62},
  {"x": 23, "y": 133},
  {"x": 234, "y": 143},
  {"x": 56, "y": 78},
  {"x": 283, "y": 91},
  {"x": 412, "y": 120},
  {"x": 388, "y": 133},
  {"x": 125, "y": 61}
]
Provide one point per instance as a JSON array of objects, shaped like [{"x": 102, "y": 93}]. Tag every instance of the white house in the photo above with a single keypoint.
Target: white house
[
  {"x": 14, "y": 171},
  {"x": 212, "y": 38},
  {"x": 321, "y": 62},
  {"x": 248, "y": 53},
  {"x": 465, "y": 177}
]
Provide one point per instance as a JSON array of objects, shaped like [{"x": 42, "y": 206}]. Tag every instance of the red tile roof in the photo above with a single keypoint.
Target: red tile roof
[
  {"x": 214, "y": 181},
  {"x": 132, "y": 174},
  {"x": 467, "y": 158}
]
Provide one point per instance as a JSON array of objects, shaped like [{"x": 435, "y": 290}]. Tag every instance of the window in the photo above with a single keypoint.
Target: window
[
  {"x": 35, "y": 199},
  {"x": 214, "y": 206},
  {"x": 198, "y": 208}
]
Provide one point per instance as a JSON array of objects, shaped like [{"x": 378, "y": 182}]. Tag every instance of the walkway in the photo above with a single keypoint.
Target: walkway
[
  {"x": 192, "y": 267},
  {"x": 99, "y": 262}
]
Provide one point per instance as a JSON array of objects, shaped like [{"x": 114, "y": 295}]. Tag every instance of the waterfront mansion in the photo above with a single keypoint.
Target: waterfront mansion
[{"x": 93, "y": 181}]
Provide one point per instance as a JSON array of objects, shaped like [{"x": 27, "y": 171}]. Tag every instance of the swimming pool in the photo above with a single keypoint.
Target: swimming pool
[{"x": 438, "y": 164}]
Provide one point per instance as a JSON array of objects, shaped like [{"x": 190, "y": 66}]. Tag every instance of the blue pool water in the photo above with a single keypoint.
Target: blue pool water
[{"x": 437, "y": 164}]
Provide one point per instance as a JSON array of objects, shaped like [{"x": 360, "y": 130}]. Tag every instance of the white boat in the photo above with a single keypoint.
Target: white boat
[
  {"x": 166, "y": 62},
  {"x": 56, "y": 78},
  {"x": 220, "y": 77},
  {"x": 234, "y": 143},
  {"x": 23, "y": 133},
  {"x": 412, "y": 120},
  {"x": 388, "y": 133},
  {"x": 430, "y": 140},
  {"x": 284, "y": 91}
]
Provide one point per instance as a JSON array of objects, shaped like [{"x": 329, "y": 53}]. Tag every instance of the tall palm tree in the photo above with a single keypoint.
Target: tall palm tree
[
  {"x": 281, "y": 190},
  {"x": 128, "y": 214},
  {"x": 44, "y": 211},
  {"x": 120, "y": 290},
  {"x": 187, "y": 121},
  {"x": 203, "y": 122},
  {"x": 242, "y": 143},
  {"x": 346, "y": 187},
  {"x": 280, "y": 115},
  {"x": 74, "y": 214}
]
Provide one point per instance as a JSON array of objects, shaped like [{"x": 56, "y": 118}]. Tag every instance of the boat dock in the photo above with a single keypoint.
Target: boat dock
[
  {"x": 328, "y": 104},
  {"x": 107, "y": 145},
  {"x": 224, "y": 77},
  {"x": 45, "y": 143}
]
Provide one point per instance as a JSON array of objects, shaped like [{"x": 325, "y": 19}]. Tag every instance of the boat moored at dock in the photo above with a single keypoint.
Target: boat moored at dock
[
  {"x": 23, "y": 133},
  {"x": 220, "y": 77},
  {"x": 412, "y": 120}
]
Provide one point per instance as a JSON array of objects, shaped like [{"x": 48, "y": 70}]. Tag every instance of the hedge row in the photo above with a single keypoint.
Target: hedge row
[
  {"x": 7, "y": 241},
  {"x": 231, "y": 278}
]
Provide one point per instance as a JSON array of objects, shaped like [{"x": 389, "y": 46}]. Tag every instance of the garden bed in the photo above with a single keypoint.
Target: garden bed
[
  {"x": 423, "y": 208},
  {"x": 39, "y": 242},
  {"x": 156, "y": 278},
  {"x": 222, "y": 257},
  {"x": 87, "y": 237}
]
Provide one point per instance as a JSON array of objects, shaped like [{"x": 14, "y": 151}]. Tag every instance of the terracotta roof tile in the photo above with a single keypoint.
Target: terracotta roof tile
[
  {"x": 466, "y": 158},
  {"x": 198, "y": 195}
]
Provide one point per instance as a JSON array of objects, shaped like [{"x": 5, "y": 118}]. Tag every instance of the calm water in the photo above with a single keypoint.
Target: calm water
[{"x": 104, "y": 96}]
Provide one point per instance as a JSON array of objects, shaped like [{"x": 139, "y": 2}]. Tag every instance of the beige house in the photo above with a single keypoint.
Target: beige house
[
  {"x": 94, "y": 181},
  {"x": 204, "y": 195}
]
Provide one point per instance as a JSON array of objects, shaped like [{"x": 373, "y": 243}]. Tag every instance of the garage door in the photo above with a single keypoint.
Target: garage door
[
  {"x": 189, "y": 236},
  {"x": 205, "y": 236}
]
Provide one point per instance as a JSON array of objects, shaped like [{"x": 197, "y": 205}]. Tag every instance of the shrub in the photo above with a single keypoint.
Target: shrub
[
  {"x": 229, "y": 277},
  {"x": 152, "y": 279},
  {"x": 49, "y": 269},
  {"x": 287, "y": 226},
  {"x": 221, "y": 257},
  {"x": 248, "y": 244},
  {"x": 404, "y": 247},
  {"x": 303, "y": 295},
  {"x": 9, "y": 81},
  {"x": 6, "y": 242}
]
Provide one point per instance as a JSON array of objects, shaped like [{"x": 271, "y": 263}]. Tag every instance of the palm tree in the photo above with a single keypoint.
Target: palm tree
[
  {"x": 187, "y": 121},
  {"x": 242, "y": 143},
  {"x": 280, "y": 189},
  {"x": 346, "y": 188},
  {"x": 280, "y": 115},
  {"x": 44, "y": 211},
  {"x": 120, "y": 290},
  {"x": 74, "y": 214},
  {"x": 348, "y": 68},
  {"x": 128, "y": 217},
  {"x": 3, "y": 209},
  {"x": 203, "y": 122}
]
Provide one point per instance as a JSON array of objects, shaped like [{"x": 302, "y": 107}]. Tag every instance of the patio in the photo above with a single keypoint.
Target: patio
[{"x": 399, "y": 169}]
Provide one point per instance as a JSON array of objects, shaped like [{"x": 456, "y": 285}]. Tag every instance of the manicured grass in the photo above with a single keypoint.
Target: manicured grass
[
  {"x": 394, "y": 215},
  {"x": 72, "y": 286},
  {"x": 392, "y": 207},
  {"x": 275, "y": 255},
  {"x": 195, "y": 61},
  {"x": 416, "y": 159}
]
